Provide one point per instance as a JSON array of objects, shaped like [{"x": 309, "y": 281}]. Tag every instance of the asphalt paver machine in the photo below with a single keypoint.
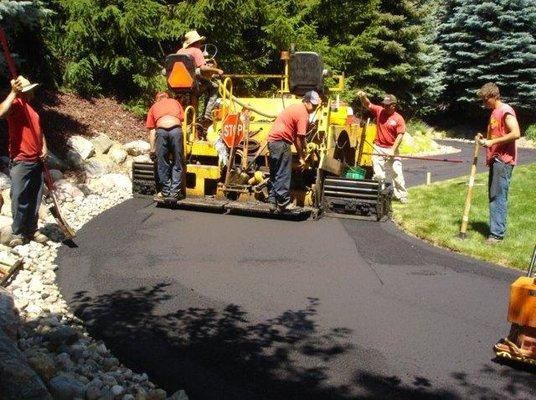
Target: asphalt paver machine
[
  {"x": 520, "y": 345},
  {"x": 227, "y": 163}
]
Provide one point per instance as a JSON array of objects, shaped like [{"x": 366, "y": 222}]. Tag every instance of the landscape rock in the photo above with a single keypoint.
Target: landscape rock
[
  {"x": 179, "y": 395},
  {"x": 65, "y": 388},
  {"x": 9, "y": 320},
  {"x": 118, "y": 154},
  {"x": 82, "y": 146},
  {"x": 101, "y": 143},
  {"x": 44, "y": 365},
  {"x": 68, "y": 189},
  {"x": 54, "y": 162},
  {"x": 5, "y": 221},
  {"x": 61, "y": 335},
  {"x": 18, "y": 380},
  {"x": 118, "y": 181},
  {"x": 5, "y": 181},
  {"x": 74, "y": 160},
  {"x": 56, "y": 174},
  {"x": 137, "y": 147},
  {"x": 99, "y": 165},
  {"x": 142, "y": 158}
]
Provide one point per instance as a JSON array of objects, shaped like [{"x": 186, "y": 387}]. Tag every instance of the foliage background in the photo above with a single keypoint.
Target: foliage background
[{"x": 432, "y": 55}]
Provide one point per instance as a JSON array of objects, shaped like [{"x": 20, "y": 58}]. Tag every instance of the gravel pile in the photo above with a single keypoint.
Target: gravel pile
[{"x": 54, "y": 341}]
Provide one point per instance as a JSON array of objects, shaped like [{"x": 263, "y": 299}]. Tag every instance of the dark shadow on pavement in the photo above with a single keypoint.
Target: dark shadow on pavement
[{"x": 219, "y": 354}]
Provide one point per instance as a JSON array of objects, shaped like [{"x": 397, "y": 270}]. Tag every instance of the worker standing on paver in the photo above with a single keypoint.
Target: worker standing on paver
[
  {"x": 165, "y": 137},
  {"x": 501, "y": 156},
  {"x": 289, "y": 128},
  {"x": 192, "y": 46},
  {"x": 390, "y": 127},
  {"x": 26, "y": 152}
]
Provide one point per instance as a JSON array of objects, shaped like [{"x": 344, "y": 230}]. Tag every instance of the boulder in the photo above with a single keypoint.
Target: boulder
[
  {"x": 74, "y": 160},
  {"x": 65, "y": 388},
  {"x": 118, "y": 181},
  {"x": 5, "y": 181},
  {"x": 43, "y": 364},
  {"x": 5, "y": 235},
  {"x": 102, "y": 143},
  {"x": 137, "y": 147},
  {"x": 68, "y": 189},
  {"x": 5, "y": 221},
  {"x": 99, "y": 165},
  {"x": 117, "y": 154},
  {"x": 61, "y": 335},
  {"x": 54, "y": 162},
  {"x": 19, "y": 381},
  {"x": 82, "y": 146},
  {"x": 142, "y": 158},
  {"x": 56, "y": 174},
  {"x": 9, "y": 320},
  {"x": 179, "y": 395}
]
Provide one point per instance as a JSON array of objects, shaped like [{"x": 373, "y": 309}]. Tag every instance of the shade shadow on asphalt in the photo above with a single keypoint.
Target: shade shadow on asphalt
[{"x": 219, "y": 354}]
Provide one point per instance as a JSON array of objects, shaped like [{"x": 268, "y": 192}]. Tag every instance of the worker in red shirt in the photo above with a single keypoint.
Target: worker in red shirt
[
  {"x": 289, "y": 128},
  {"x": 165, "y": 137},
  {"x": 27, "y": 149},
  {"x": 390, "y": 129},
  {"x": 192, "y": 46},
  {"x": 501, "y": 156}
]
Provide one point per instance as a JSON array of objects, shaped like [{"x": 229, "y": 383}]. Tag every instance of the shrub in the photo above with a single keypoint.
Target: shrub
[{"x": 530, "y": 132}]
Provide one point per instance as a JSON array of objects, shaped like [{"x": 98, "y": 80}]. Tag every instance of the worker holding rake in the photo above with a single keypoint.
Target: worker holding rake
[
  {"x": 501, "y": 156},
  {"x": 390, "y": 127}
]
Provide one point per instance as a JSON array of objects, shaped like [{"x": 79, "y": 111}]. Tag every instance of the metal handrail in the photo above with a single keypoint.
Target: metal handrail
[{"x": 532, "y": 263}]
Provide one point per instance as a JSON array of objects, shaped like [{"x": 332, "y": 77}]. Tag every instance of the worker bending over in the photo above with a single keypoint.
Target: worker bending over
[
  {"x": 289, "y": 128},
  {"x": 192, "y": 47},
  {"x": 501, "y": 156},
  {"x": 390, "y": 129},
  {"x": 165, "y": 136}
]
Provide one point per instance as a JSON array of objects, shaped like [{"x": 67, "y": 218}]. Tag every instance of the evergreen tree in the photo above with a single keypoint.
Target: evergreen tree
[
  {"x": 490, "y": 41},
  {"x": 21, "y": 21}
]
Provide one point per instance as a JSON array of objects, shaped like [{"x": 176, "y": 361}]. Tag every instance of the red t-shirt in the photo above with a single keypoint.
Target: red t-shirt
[
  {"x": 290, "y": 123},
  {"x": 197, "y": 55},
  {"x": 161, "y": 108},
  {"x": 24, "y": 145},
  {"x": 506, "y": 152},
  {"x": 388, "y": 127}
]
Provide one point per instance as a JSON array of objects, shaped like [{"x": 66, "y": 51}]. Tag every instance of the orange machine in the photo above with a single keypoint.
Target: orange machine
[{"x": 520, "y": 345}]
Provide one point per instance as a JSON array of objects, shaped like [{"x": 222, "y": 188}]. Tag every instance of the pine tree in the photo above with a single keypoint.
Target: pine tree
[
  {"x": 490, "y": 41},
  {"x": 21, "y": 21}
]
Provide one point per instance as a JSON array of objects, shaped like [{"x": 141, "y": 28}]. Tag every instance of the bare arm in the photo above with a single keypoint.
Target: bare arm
[
  {"x": 300, "y": 146},
  {"x": 513, "y": 133},
  {"x": 152, "y": 140},
  {"x": 206, "y": 69},
  {"x": 396, "y": 144},
  {"x": 8, "y": 101}
]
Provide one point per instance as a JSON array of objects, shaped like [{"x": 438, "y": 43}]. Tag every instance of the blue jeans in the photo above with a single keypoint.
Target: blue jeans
[
  {"x": 169, "y": 141},
  {"x": 280, "y": 172},
  {"x": 26, "y": 195},
  {"x": 498, "y": 184}
]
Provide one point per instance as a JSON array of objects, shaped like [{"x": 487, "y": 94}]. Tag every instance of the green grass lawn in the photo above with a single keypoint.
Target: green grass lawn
[{"x": 434, "y": 213}]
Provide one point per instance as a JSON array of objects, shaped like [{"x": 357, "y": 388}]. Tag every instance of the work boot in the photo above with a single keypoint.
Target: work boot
[
  {"x": 176, "y": 196},
  {"x": 273, "y": 207},
  {"x": 17, "y": 240},
  {"x": 39, "y": 237},
  {"x": 287, "y": 208},
  {"x": 159, "y": 197},
  {"x": 492, "y": 239}
]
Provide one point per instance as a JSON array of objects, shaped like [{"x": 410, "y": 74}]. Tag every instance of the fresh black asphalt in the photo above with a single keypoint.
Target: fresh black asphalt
[{"x": 233, "y": 307}]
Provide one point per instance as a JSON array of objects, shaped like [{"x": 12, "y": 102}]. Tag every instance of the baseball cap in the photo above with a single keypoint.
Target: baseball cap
[
  {"x": 312, "y": 97},
  {"x": 389, "y": 99}
]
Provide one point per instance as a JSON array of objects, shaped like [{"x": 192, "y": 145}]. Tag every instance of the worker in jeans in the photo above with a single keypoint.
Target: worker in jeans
[
  {"x": 289, "y": 128},
  {"x": 165, "y": 137},
  {"x": 501, "y": 156},
  {"x": 27, "y": 149}
]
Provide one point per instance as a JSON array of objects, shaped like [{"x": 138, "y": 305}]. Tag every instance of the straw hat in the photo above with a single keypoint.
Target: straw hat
[
  {"x": 26, "y": 84},
  {"x": 190, "y": 38}
]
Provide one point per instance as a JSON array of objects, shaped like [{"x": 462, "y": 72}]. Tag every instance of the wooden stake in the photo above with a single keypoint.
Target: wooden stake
[
  {"x": 469, "y": 196},
  {"x": 428, "y": 178}
]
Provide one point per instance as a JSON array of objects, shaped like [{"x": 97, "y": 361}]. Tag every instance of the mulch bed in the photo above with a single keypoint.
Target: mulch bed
[{"x": 66, "y": 114}]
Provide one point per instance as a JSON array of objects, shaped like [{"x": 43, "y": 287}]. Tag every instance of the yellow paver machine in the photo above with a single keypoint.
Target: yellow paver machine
[{"x": 227, "y": 162}]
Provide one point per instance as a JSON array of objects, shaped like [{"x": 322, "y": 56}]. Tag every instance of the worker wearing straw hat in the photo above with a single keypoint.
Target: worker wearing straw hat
[
  {"x": 192, "y": 46},
  {"x": 26, "y": 151}
]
